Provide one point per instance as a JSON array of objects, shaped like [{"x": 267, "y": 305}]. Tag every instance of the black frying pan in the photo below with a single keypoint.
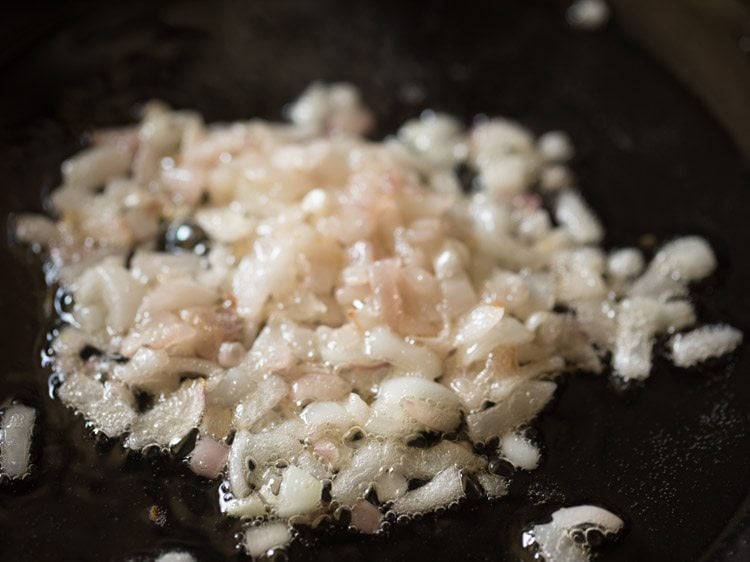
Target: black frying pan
[{"x": 672, "y": 455}]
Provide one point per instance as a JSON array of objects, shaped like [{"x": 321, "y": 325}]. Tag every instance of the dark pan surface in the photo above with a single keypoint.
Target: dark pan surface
[{"x": 672, "y": 455}]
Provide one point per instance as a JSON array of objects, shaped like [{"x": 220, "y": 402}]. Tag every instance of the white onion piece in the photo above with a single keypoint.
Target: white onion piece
[
  {"x": 146, "y": 368},
  {"x": 442, "y": 490},
  {"x": 246, "y": 508},
  {"x": 180, "y": 293},
  {"x": 320, "y": 386},
  {"x": 327, "y": 451},
  {"x": 16, "y": 429},
  {"x": 689, "y": 258},
  {"x": 555, "y": 146},
  {"x": 477, "y": 323},
  {"x": 156, "y": 371},
  {"x": 237, "y": 464},
  {"x": 175, "y": 556},
  {"x": 391, "y": 485},
  {"x": 494, "y": 486},
  {"x": 579, "y": 275},
  {"x": 299, "y": 493},
  {"x": 301, "y": 341},
  {"x": 357, "y": 408},
  {"x": 383, "y": 276},
  {"x": 336, "y": 107},
  {"x": 170, "y": 419},
  {"x": 94, "y": 166},
  {"x": 259, "y": 540},
  {"x": 436, "y": 137},
  {"x": 261, "y": 449},
  {"x": 366, "y": 464},
  {"x": 577, "y": 218},
  {"x": 119, "y": 291},
  {"x": 268, "y": 394},
  {"x": 231, "y": 354},
  {"x": 505, "y": 177},
  {"x": 314, "y": 465},
  {"x": 269, "y": 354},
  {"x": 555, "y": 177},
  {"x": 498, "y": 136},
  {"x": 588, "y": 514},
  {"x": 625, "y": 263},
  {"x": 108, "y": 406},
  {"x": 703, "y": 343},
  {"x": 426, "y": 463},
  {"x": 326, "y": 417},
  {"x": 209, "y": 457},
  {"x": 408, "y": 404},
  {"x": 35, "y": 229},
  {"x": 485, "y": 328},
  {"x": 526, "y": 401},
  {"x": 677, "y": 263},
  {"x": 458, "y": 295},
  {"x": 342, "y": 346},
  {"x": 555, "y": 539},
  {"x": 676, "y": 315},
  {"x": 432, "y": 416},
  {"x": 225, "y": 224},
  {"x": 162, "y": 331},
  {"x": 147, "y": 266},
  {"x": 384, "y": 345},
  {"x": 184, "y": 183},
  {"x": 269, "y": 270},
  {"x": 521, "y": 452},
  {"x": 637, "y": 322},
  {"x": 366, "y": 517}
]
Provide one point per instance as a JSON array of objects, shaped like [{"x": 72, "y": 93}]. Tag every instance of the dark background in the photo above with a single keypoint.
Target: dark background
[{"x": 672, "y": 455}]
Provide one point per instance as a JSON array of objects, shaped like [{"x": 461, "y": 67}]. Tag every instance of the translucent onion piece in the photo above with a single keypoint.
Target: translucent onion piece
[
  {"x": 556, "y": 540},
  {"x": 703, "y": 343},
  {"x": 261, "y": 539},
  {"x": 299, "y": 493},
  {"x": 520, "y": 451},
  {"x": 16, "y": 428},
  {"x": 442, "y": 490},
  {"x": 108, "y": 406},
  {"x": 523, "y": 404},
  {"x": 209, "y": 457},
  {"x": 366, "y": 517},
  {"x": 171, "y": 418},
  {"x": 248, "y": 507}
]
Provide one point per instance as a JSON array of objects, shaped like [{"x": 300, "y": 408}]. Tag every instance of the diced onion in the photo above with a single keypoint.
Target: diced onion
[
  {"x": 703, "y": 343},
  {"x": 261, "y": 539},
  {"x": 335, "y": 322},
  {"x": 16, "y": 428}
]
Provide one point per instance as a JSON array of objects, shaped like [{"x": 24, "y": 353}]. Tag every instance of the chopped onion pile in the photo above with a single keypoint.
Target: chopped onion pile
[{"x": 346, "y": 328}]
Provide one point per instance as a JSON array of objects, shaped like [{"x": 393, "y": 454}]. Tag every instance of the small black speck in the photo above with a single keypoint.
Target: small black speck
[
  {"x": 89, "y": 351},
  {"x": 143, "y": 401},
  {"x": 325, "y": 494}
]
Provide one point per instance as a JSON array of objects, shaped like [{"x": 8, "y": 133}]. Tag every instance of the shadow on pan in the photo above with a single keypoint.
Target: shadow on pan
[{"x": 672, "y": 456}]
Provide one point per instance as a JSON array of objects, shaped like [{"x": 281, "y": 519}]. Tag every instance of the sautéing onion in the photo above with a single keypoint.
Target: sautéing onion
[{"x": 336, "y": 322}]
